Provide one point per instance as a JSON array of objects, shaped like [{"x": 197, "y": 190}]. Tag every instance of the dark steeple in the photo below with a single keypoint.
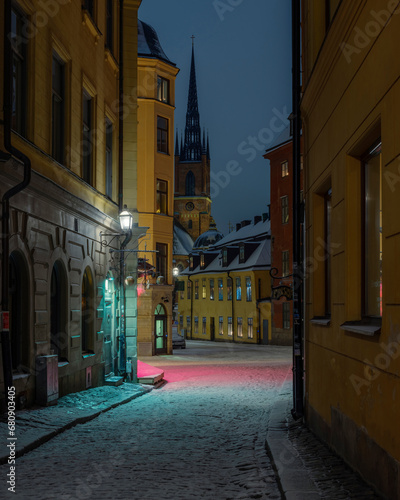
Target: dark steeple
[
  {"x": 176, "y": 144},
  {"x": 192, "y": 148}
]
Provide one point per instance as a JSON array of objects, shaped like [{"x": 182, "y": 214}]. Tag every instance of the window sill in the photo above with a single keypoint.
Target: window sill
[
  {"x": 368, "y": 328},
  {"x": 91, "y": 25},
  {"x": 87, "y": 355},
  {"x": 20, "y": 376},
  {"x": 62, "y": 363},
  {"x": 110, "y": 59},
  {"x": 321, "y": 320}
]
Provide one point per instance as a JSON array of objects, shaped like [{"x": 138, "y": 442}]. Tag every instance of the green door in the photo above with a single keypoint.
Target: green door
[{"x": 160, "y": 330}]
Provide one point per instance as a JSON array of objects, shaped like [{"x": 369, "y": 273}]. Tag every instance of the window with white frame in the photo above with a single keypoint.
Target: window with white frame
[
  {"x": 240, "y": 327},
  {"x": 285, "y": 168},
  {"x": 248, "y": 289},
  {"x": 230, "y": 326},
  {"x": 249, "y": 328}
]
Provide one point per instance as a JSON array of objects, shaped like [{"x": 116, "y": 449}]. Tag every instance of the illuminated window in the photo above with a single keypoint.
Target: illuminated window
[
  {"x": 285, "y": 209},
  {"x": 229, "y": 288},
  {"x": 285, "y": 263},
  {"x": 221, "y": 325},
  {"x": 211, "y": 289},
  {"x": 204, "y": 328},
  {"x": 162, "y": 197},
  {"x": 220, "y": 289},
  {"x": 161, "y": 260},
  {"x": 162, "y": 134},
  {"x": 230, "y": 326},
  {"x": 188, "y": 324},
  {"x": 162, "y": 89},
  {"x": 240, "y": 327},
  {"x": 238, "y": 289},
  {"x": 196, "y": 325},
  {"x": 372, "y": 232},
  {"x": 285, "y": 169},
  {"x": 249, "y": 328},
  {"x": 196, "y": 289},
  {"x": 248, "y": 289},
  {"x": 202, "y": 261},
  {"x": 204, "y": 287}
]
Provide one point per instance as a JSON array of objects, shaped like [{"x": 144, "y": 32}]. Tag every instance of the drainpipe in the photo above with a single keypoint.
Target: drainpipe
[
  {"x": 233, "y": 311},
  {"x": 120, "y": 109},
  {"x": 5, "y": 334},
  {"x": 191, "y": 307},
  {"x": 298, "y": 322}
]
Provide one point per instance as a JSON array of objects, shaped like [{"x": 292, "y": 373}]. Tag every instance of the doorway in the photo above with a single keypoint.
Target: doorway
[{"x": 160, "y": 330}]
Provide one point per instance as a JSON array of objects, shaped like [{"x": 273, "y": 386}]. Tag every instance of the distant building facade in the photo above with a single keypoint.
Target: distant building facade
[
  {"x": 156, "y": 104},
  {"x": 61, "y": 134},
  {"x": 350, "y": 110},
  {"x": 226, "y": 292},
  {"x": 281, "y": 212}
]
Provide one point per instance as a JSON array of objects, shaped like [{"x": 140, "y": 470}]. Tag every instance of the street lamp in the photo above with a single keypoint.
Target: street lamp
[{"x": 125, "y": 220}]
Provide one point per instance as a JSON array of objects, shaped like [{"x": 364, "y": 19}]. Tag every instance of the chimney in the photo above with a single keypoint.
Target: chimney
[
  {"x": 265, "y": 216},
  {"x": 257, "y": 219},
  {"x": 245, "y": 222},
  {"x": 238, "y": 226}
]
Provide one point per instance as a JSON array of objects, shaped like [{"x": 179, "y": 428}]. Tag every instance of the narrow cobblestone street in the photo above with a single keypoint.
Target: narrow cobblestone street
[{"x": 201, "y": 435}]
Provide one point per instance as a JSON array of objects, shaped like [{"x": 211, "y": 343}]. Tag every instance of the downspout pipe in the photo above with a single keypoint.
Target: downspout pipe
[
  {"x": 5, "y": 202},
  {"x": 191, "y": 307},
  {"x": 298, "y": 322},
  {"x": 120, "y": 109},
  {"x": 233, "y": 310}
]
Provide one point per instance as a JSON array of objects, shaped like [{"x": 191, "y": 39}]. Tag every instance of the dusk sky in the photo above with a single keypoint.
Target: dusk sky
[{"x": 243, "y": 69}]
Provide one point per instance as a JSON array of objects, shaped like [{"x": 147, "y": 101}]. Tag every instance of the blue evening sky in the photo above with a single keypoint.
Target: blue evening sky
[{"x": 243, "y": 69}]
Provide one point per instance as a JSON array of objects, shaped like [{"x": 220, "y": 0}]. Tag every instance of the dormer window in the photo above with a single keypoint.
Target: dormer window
[
  {"x": 241, "y": 254},
  {"x": 224, "y": 257},
  {"x": 191, "y": 262},
  {"x": 202, "y": 261}
]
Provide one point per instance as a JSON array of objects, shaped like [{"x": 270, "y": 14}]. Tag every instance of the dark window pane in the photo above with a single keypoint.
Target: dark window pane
[{"x": 58, "y": 109}]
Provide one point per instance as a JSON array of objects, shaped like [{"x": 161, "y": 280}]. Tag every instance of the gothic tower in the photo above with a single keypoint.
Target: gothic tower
[{"x": 192, "y": 204}]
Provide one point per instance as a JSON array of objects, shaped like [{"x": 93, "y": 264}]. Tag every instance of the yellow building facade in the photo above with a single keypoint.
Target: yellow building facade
[
  {"x": 156, "y": 105},
  {"x": 350, "y": 110},
  {"x": 226, "y": 289},
  {"x": 63, "y": 132}
]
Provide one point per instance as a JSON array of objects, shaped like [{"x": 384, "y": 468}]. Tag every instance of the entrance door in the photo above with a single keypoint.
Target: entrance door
[
  {"x": 212, "y": 329},
  {"x": 265, "y": 332},
  {"x": 160, "y": 330}
]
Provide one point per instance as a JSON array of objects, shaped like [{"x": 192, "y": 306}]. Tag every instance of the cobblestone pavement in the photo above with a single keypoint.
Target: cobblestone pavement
[{"x": 202, "y": 435}]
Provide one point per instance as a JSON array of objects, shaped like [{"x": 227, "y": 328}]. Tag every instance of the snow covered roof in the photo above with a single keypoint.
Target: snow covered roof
[
  {"x": 149, "y": 44},
  {"x": 249, "y": 232},
  {"x": 183, "y": 243},
  {"x": 259, "y": 259}
]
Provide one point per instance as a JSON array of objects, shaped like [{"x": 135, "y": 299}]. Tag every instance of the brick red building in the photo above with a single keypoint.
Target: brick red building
[{"x": 281, "y": 180}]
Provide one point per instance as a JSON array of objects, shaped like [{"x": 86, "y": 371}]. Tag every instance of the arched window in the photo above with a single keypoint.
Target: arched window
[
  {"x": 19, "y": 312},
  {"x": 190, "y": 183},
  {"x": 88, "y": 312},
  {"x": 58, "y": 312}
]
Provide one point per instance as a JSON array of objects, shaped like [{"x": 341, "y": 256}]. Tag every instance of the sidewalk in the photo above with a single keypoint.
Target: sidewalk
[
  {"x": 307, "y": 469},
  {"x": 38, "y": 425}
]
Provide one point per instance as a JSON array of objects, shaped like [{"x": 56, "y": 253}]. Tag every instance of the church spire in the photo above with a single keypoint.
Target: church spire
[{"x": 192, "y": 147}]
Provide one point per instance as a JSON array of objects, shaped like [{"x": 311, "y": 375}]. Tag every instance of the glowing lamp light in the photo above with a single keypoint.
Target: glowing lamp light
[
  {"x": 175, "y": 271},
  {"x": 125, "y": 220}
]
